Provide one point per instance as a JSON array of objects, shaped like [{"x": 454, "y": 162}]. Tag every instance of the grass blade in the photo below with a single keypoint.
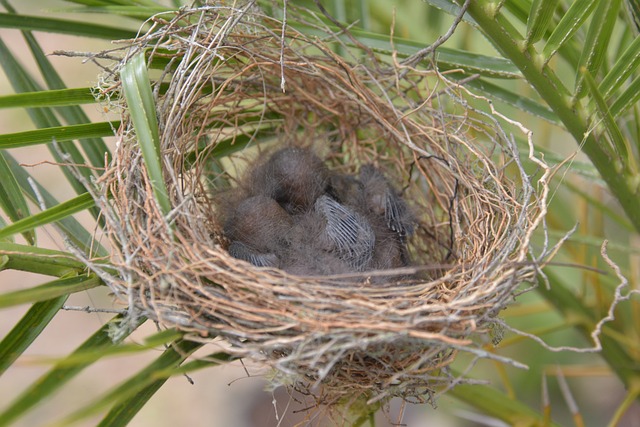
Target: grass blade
[
  {"x": 48, "y": 98},
  {"x": 53, "y": 289},
  {"x": 60, "y": 374},
  {"x": 12, "y": 200},
  {"x": 95, "y": 148},
  {"x": 571, "y": 22},
  {"x": 88, "y": 356},
  {"x": 497, "y": 404},
  {"x": 141, "y": 106},
  {"x": 62, "y": 26},
  {"x": 520, "y": 9},
  {"x": 539, "y": 19},
  {"x": 626, "y": 99},
  {"x": 474, "y": 63},
  {"x": 624, "y": 67},
  {"x": 39, "y": 260},
  {"x": 58, "y": 133},
  {"x": 27, "y": 330},
  {"x": 123, "y": 412},
  {"x": 70, "y": 227},
  {"x": 633, "y": 9},
  {"x": 58, "y": 212},
  {"x": 621, "y": 145},
  {"x": 597, "y": 41},
  {"x": 451, "y": 8},
  {"x": 3, "y": 259},
  {"x": 22, "y": 81},
  {"x": 524, "y": 103},
  {"x": 146, "y": 382},
  {"x": 138, "y": 12}
]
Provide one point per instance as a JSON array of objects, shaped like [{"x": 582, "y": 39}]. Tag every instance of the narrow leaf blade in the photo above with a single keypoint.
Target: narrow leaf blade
[
  {"x": 39, "y": 260},
  {"x": 53, "y": 289},
  {"x": 58, "y": 133},
  {"x": 495, "y": 403},
  {"x": 539, "y": 19},
  {"x": 95, "y": 148},
  {"x": 620, "y": 143},
  {"x": 123, "y": 412},
  {"x": 70, "y": 227},
  {"x": 597, "y": 41},
  {"x": 147, "y": 381},
  {"x": 12, "y": 199},
  {"x": 61, "y": 211},
  {"x": 141, "y": 107},
  {"x": 27, "y": 330},
  {"x": 48, "y": 98},
  {"x": 131, "y": 11},
  {"x": 624, "y": 68},
  {"x": 627, "y": 99},
  {"x": 571, "y": 22},
  {"x": 62, "y": 26},
  {"x": 22, "y": 81},
  {"x": 60, "y": 374},
  {"x": 521, "y": 102}
]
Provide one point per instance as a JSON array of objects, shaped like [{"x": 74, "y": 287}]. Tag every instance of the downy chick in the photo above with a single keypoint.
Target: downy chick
[
  {"x": 373, "y": 196},
  {"x": 294, "y": 177},
  {"x": 306, "y": 256},
  {"x": 259, "y": 229},
  {"x": 383, "y": 200},
  {"x": 329, "y": 239}
]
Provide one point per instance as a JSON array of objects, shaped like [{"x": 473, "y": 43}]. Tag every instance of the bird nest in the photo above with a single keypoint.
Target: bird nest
[{"x": 232, "y": 85}]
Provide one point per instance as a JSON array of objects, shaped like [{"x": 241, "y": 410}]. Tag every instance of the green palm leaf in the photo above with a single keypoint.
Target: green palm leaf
[
  {"x": 61, "y": 373},
  {"x": 60, "y": 26}
]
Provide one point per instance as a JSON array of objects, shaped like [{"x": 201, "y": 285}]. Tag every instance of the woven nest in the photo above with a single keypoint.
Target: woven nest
[{"x": 233, "y": 84}]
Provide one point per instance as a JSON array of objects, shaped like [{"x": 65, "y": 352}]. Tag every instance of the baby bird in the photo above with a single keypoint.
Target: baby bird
[
  {"x": 374, "y": 197},
  {"x": 259, "y": 230},
  {"x": 299, "y": 216},
  {"x": 294, "y": 177},
  {"x": 382, "y": 199},
  {"x": 330, "y": 239},
  {"x": 240, "y": 250},
  {"x": 306, "y": 257},
  {"x": 346, "y": 233}
]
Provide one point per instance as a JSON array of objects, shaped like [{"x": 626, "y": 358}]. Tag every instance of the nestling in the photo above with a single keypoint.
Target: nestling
[
  {"x": 297, "y": 215},
  {"x": 258, "y": 229},
  {"x": 294, "y": 177},
  {"x": 392, "y": 222}
]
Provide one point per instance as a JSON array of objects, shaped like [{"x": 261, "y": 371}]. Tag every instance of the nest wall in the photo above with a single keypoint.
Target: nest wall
[{"x": 229, "y": 81}]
